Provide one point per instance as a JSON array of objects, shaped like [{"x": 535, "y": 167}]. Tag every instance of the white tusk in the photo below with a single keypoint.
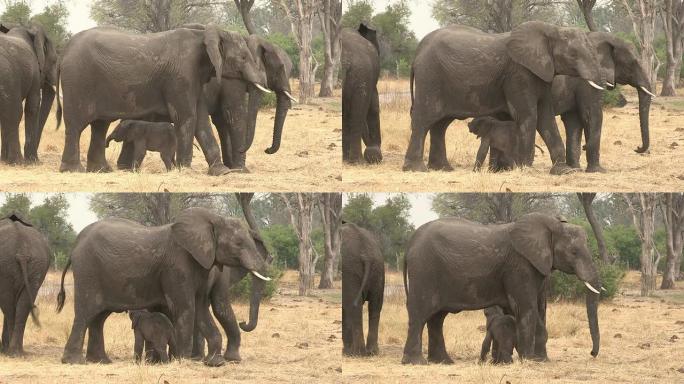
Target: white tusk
[
  {"x": 261, "y": 87},
  {"x": 259, "y": 275},
  {"x": 609, "y": 84},
  {"x": 604, "y": 290},
  {"x": 585, "y": 283},
  {"x": 595, "y": 85},
  {"x": 649, "y": 92},
  {"x": 290, "y": 96}
]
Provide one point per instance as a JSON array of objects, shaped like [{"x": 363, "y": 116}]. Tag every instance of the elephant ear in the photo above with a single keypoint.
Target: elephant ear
[
  {"x": 214, "y": 46},
  {"x": 605, "y": 49},
  {"x": 18, "y": 219},
  {"x": 194, "y": 232},
  {"x": 39, "y": 41},
  {"x": 529, "y": 47},
  {"x": 369, "y": 34},
  {"x": 3, "y": 28},
  {"x": 531, "y": 237}
]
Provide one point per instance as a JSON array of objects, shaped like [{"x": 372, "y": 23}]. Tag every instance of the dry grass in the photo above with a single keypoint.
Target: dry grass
[
  {"x": 267, "y": 357},
  {"x": 642, "y": 353},
  {"x": 308, "y": 160},
  {"x": 658, "y": 171}
]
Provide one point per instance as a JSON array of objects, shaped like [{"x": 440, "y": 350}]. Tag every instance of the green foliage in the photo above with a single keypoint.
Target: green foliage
[
  {"x": 243, "y": 289},
  {"x": 397, "y": 41},
  {"x": 569, "y": 287},
  {"x": 357, "y": 13},
  {"x": 53, "y": 19},
  {"x": 142, "y": 16},
  {"x": 614, "y": 98},
  {"x": 59, "y": 260},
  {"x": 283, "y": 244},
  {"x": 492, "y": 207},
  {"x": 403, "y": 68},
  {"x": 17, "y": 13},
  {"x": 289, "y": 45},
  {"x": 269, "y": 100}
]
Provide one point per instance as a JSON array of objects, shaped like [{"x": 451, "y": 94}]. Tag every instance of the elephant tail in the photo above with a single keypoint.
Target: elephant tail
[
  {"x": 58, "y": 114},
  {"x": 411, "y": 81},
  {"x": 364, "y": 280},
  {"x": 27, "y": 287},
  {"x": 405, "y": 277},
  {"x": 61, "y": 297}
]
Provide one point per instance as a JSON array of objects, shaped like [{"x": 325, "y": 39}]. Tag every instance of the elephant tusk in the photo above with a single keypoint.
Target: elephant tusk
[
  {"x": 261, "y": 87},
  {"x": 591, "y": 288},
  {"x": 595, "y": 85},
  {"x": 649, "y": 92},
  {"x": 610, "y": 84},
  {"x": 290, "y": 97},
  {"x": 259, "y": 275},
  {"x": 604, "y": 290}
]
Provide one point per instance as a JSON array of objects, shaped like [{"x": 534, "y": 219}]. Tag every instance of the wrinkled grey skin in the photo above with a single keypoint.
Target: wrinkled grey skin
[
  {"x": 500, "y": 336},
  {"x": 455, "y": 265},
  {"x": 153, "y": 333},
  {"x": 121, "y": 265},
  {"x": 360, "y": 70},
  {"x": 235, "y": 117},
  {"x": 363, "y": 279},
  {"x": 498, "y": 138},
  {"x": 158, "y": 77},
  {"x": 581, "y": 106},
  {"x": 28, "y": 64},
  {"x": 218, "y": 291},
  {"x": 461, "y": 72},
  {"x": 24, "y": 261},
  {"x": 142, "y": 136}
]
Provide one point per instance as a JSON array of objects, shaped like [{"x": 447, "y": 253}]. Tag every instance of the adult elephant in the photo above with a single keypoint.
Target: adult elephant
[
  {"x": 363, "y": 279},
  {"x": 121, "y": 265},
  {"x": 24, "y": 261},
  {"x": 581, "y": 106},
  {"x": 108, "y": 75},
  {"x": 462, "y": 72},
  {"x": 360, "y": 104},
  {"x": 28, "y": 62},
  {"x": 455, "y": 265}
]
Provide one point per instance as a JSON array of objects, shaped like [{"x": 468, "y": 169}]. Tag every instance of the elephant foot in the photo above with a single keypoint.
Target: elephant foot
[
  {"x": 372, "y": 350},
  {"x": 100, "y": 168},
  {"x": 220, "y": 170},
  {"x": 441, "y": 360},
  {"x": 414, "y": 166},
  {"x": 69, "y": 358},
  {"x": 71, "y": 167},
  {"x": 414, "y": 360},
  {"x": 32, "y": 160},
  {"x": 198, "y": 357},
  {"x": 355, "y": 351},
  {"x": 373, "y": 155},
  {"x": 446, "y": 167},
  {"x": 215, "y": 361},
  {"x": 562, "y": 169},
  {"x": 98, "y": 359},
  {"x": 596, "y": 169},
  {"x": 232, "y": 356},
  {"x": 15, "y": 352}
]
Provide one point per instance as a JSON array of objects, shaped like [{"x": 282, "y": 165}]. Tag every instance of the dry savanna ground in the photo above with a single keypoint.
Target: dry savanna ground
[
  {"x": 642, "y": 342},
  {"x": 298, "y": 340},
  {"x": 660, "y": 170},
  {"x": 308, "y": 160}
]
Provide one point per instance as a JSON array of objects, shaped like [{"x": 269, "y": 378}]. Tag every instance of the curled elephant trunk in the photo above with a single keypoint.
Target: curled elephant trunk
[
  {"x": 644, "y": 109},
  {"x": 592, "y": 300},
  {"x": 282, "y": 108},
  {"x": 258, "y": 286}
]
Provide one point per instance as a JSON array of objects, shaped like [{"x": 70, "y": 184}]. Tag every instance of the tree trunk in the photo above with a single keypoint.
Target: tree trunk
[
  {"x": 244, "y": 6},
  {"x": 301, "y": 217},
  {"x": 643, "y": 17},
  {"x": 587, "y": 6},
  {"x": 673, "y": 26},
  {"x": 330, "y": 205},
  {"x": 673, "y": 217},
  {"x": 330, "y": 16},
  {"x": 586, "y": 199},
  {"x": 643, "y": 215}
]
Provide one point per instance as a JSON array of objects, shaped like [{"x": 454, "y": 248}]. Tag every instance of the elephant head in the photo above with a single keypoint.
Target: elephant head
[
  {"x": 551, "y": 243},
  {"x": 122, "y": 132},
  {"x": 547, "y": 50},
  {"x": 621, "y": 65},
  {"x": 230, "y": 56},
  {"x": 278, "y": 67},
  {"x": 215, "y": 240}
]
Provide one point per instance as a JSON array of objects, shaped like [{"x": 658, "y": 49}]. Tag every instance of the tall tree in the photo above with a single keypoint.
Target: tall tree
[
  {"x": 147, "y": 208},
  {"x": 643, "y": 209},
  {"x": 397, "y": 42},
  {"x": 358, "y": 12},
  {"x": 301, "y": 208},
  {"x": 18, "y": 12},
  {"x": 673, "y": 216},
  {"x": 153, "y": 15},
  {"x": 587, "y": 199},
  {"x": 491, "y": 207},
  {"x": 494, "y": 15},
  {"x": 301, "y": 14},
  {"x": 331, "y": 24},
  {"x": 587, "y": 7},
  {"x": 330, "y": 205},
  {"x": 643, "y": 14},
  {"x": 673, "y": 24},
  {"x": 245, "y": 6}
]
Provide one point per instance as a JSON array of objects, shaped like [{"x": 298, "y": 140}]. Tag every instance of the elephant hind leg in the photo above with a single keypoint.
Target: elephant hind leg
[
  {"x": 374, "y": 308},
  {"x": 573, "y": 133},
  {"x": 8, "y": 311},
  {"x": 95, "y": 352},
  {"x": 352, "y": 322},
  {"x": 23, "y": 309},
  {"x": 73, "y": 350},
  {"x": 96, "y": 152},
  {"x": 9, "y": 123},
  {"x": 413, "y": 349},
  {"x": 437, "y": 352},
  {"x": 438, "y": 157}
]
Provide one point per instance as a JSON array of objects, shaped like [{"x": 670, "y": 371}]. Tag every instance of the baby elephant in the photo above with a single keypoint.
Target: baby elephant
[
  {"x": 142, "y": 136},
  {"x": 499, "y": 138},
  {"x": 153, "y": 332},
  {"x": 501, "y": 336}
]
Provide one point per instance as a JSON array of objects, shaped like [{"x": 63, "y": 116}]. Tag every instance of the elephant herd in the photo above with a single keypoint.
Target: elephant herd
[
  {"x": 182, "y": 76},
  {"x": 521, "y": 79},
  {"x": 176, "y": 272},
  {"x": 453, "y": 265}
]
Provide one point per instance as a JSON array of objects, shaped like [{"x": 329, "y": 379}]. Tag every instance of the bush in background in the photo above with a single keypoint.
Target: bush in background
[
  {"x": 243, "y": 289},
  {"x": 614, "y": 98},
  {"x": 569, "y": 287}
]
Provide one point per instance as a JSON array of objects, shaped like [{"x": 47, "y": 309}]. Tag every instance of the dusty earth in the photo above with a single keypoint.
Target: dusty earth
[
  {"x": 659, "y": 170},
  {"x": 642, "y": 342},
  {"x": 308, "y": 160},
  {"x": 298, "y": 339}
]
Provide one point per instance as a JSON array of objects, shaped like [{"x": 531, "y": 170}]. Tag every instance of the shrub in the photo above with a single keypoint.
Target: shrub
[
  {"x": 569, "y": 287},
  {"x": 60, "y": 260},
  {"x": 268, "y": 100},
  {"x": 614, "y": 98},
  {"x": 243, "y": 289}
]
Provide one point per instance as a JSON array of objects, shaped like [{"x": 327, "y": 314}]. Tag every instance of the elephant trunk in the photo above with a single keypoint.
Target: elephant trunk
[
  {"x": 644, "y": 109},
  {"x": 592, "y": 300},
  {"x": 282, "y": 108},
  {"x": 258, "y": 286},
  {"x": 252, "y": 112}
]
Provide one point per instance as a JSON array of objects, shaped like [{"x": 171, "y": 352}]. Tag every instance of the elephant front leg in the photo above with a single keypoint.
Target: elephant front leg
[
  {"x": 96, "y": 152},
  {"x": 220, "y": 304},
  {"x": 593, "y": 136},
  {"x": 95, "y": 352},
  {"x": 548, "y": 130},
  {"x": 573, "y": 133},
  {"x": 437, "y": 352},
  {"x": 207, "y": 142},
  {"x": 210, "y": 332},
  {"x": 526, "y": 323},
  {"x": 541, "y": 335}
]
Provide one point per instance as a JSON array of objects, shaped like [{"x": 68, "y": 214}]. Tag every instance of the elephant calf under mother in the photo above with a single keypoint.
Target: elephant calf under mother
[{"x": 455, "y": 265}]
